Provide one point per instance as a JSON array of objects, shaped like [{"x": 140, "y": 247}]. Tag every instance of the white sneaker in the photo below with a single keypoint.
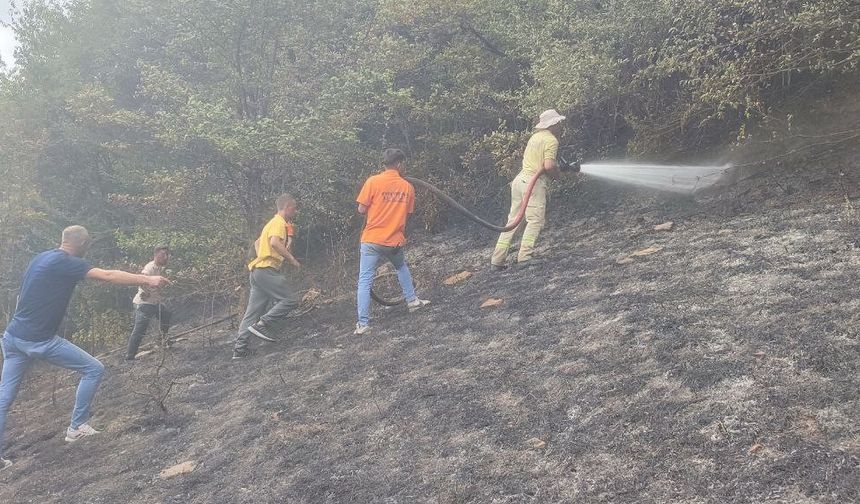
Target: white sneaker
[
  {"x": 5, "y": 463},
  {"x": 417, "y": 304},
  {"x": 361, "y": 329},
  {"x": 82, "y": 431}
]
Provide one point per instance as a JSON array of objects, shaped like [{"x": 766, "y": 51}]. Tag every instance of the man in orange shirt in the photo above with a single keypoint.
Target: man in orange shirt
[{"x": 386, "y": 199}]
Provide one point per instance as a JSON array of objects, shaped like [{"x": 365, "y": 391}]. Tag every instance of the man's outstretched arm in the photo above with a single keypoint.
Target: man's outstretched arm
[{"x": 123, "y": 278}]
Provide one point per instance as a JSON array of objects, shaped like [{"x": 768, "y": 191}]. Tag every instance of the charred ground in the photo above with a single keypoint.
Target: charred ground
[{"x": 723, "y": 368}]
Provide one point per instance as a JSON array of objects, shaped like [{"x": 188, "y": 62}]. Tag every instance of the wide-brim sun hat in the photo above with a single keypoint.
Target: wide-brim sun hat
[{"x": 549, "y": 118}]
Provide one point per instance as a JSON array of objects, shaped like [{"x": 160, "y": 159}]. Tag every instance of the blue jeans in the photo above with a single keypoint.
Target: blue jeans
[
  {"x": 371, "y": 254},
  {"x": 19, "y": 354}
]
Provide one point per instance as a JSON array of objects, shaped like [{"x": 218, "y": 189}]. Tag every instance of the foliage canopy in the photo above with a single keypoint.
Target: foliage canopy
[{"x": 179, "y": 120}]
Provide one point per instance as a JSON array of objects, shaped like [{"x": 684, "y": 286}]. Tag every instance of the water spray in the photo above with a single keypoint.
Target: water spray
[{"x": 672, "y": 178}]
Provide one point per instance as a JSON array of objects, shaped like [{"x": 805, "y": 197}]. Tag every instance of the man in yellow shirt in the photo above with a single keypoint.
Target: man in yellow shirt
[
  {"x": 541, "y": 152},
  {"x": 268, "y": 284}
]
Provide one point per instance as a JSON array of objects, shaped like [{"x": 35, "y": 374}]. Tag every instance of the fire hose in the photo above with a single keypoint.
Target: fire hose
[{"x": 563, "y": 166}]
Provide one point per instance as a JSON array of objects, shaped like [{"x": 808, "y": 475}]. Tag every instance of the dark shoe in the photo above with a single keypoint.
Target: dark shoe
[
  {"x": 241, "y": 354},
  {"x": 262, "y": 331},
  {"x": 498, "y": 267}
]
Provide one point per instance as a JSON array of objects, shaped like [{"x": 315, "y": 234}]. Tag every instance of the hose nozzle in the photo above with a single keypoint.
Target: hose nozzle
[{"x": 568, "y": 166}]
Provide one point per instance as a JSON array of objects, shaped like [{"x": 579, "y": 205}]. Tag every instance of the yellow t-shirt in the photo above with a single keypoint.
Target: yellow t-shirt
[
  {"x": 266, "y": 256},
  {"x": 542, "y": 145}
]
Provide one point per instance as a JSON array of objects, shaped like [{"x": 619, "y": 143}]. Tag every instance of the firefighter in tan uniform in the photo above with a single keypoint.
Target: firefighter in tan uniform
[{"x": 541, "y": 152}]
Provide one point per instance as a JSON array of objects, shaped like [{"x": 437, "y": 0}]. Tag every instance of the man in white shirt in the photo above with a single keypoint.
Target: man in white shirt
[{"x": 148, "y": 304}]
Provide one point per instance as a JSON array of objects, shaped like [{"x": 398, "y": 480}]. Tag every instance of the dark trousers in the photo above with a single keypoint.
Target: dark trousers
[
  {"x": 269, "y": 287},
  {"x": 143, "y": 314}
]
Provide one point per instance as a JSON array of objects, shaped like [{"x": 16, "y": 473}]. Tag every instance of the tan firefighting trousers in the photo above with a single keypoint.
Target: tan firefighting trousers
[{"x": 533, "y": 221}]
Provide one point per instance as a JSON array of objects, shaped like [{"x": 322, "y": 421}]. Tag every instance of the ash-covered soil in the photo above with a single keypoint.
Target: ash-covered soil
[{"x": 721, "y": 368}]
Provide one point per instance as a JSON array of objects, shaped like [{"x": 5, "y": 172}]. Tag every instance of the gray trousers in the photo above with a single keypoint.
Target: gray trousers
[
  {"x": 143, "y": 314},
  {"x": 268, "y": 285}
]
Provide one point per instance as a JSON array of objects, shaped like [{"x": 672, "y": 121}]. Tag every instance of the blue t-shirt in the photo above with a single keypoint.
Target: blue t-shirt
[{"x": 46, "y": 291}]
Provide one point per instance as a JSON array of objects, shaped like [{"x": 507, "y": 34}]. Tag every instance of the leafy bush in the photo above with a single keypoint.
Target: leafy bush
[{"x": 181, "y": 120}]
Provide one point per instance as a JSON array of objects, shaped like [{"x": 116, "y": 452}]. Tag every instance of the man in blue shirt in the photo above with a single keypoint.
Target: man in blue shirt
[{"x": 45, "y": 293}]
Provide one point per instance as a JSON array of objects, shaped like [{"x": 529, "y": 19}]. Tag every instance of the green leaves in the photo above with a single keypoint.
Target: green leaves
[{"x": 136, "y": 116}]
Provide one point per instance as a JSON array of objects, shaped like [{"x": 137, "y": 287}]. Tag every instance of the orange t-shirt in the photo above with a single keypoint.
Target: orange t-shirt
[{"x": 389, "y": 199}]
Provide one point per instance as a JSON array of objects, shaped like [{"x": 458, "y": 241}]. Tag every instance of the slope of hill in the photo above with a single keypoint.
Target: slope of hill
[{"x": 723, "y": 367}]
